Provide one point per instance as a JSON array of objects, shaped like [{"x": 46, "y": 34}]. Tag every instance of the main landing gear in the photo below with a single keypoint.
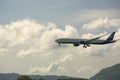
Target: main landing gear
[
  {"x": 59, "y": 44},
  {"x": 85, "y": 45}
]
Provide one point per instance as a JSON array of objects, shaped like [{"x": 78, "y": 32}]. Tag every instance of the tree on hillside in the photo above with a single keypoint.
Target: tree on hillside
[
  {"x": 24, "y": 77},
  {"x": 41, "y": 79}
]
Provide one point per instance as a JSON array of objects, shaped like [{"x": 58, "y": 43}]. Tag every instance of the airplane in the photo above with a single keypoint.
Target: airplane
[{"x": 87, "y": 42}]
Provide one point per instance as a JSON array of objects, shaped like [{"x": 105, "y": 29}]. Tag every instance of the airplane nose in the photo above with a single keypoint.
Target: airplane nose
[{"x": 56, "y": 40}]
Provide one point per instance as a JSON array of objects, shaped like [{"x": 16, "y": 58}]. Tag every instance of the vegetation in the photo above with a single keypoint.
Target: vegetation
[
  {"x": 73, "y": 79},
  {"x": 24, "y": 77},
  {"x": 41, "y": 79},
  {"x": 15, "y": 76}
]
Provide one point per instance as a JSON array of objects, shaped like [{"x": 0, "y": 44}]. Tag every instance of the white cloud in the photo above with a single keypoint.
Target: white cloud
[
  {"x": 66, "y": 58},
  {"x": 52, "y": 68},
  {"x": 102, "y": 23},
  {"x": 85, "y": 71},
  {"x": 28, "y": 38},
  {"x": 32, "y": 36},
  {"x": 3, "y": 51}
]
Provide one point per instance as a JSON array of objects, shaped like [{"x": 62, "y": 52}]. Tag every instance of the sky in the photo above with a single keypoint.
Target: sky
[{"x": 28, "y": 29}]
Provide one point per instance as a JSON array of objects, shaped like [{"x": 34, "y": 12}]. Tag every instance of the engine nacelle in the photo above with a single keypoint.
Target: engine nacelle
[{"x": 76, "y": 44}]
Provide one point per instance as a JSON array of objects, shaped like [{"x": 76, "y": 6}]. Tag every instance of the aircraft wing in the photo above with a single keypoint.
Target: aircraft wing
[{"x": 93, "y": 39}]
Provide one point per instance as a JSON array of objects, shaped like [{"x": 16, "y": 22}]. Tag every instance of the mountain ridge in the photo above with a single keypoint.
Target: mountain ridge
[
  {"x": 109, "y": 73},
  {"x": 14, "y": 76}
]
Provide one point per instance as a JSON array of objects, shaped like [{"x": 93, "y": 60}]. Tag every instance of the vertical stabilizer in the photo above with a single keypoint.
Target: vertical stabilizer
[{"x": 111, "y": 37}]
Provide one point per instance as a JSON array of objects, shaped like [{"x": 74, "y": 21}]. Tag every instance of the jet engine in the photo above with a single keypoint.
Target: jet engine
[{"x": 76, "y": 44}]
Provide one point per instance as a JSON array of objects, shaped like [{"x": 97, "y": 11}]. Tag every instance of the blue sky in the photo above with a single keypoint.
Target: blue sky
[
  {"x": 28, "y": 29},
  {"x": 50, "y": 10}
]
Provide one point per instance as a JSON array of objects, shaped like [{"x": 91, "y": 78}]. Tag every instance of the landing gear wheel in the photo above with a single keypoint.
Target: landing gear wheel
[
  {"x": 88, "y": 45},
  {"x": 59, "y": 44},
  {"x": 84, "y": 46}
]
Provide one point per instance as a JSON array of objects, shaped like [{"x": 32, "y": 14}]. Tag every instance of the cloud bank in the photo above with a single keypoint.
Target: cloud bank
[
  {"x": 29, "y": 39},
  {"x": 102, "y": 23},
  {"x": 52, "y": 68}
]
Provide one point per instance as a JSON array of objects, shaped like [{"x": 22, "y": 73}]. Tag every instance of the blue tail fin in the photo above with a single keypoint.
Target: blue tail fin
[{"x": 111, "y": 37}]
